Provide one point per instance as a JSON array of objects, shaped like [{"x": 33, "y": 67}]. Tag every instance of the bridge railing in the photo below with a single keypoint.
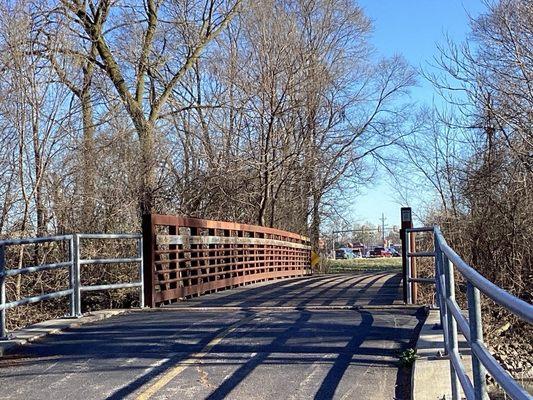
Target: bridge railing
[
  {"x": 73, "y": 264},
  {"x": 187, "y": 257},
  {"x": 452, "y": 318}
]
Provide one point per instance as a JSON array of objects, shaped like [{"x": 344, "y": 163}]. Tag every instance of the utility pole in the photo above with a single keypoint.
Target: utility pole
[{"x": 383, "y": 227}]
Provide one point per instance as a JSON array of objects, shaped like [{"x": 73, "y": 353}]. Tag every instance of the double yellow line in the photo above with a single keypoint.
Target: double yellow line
[{"x": 160, "y": 382}]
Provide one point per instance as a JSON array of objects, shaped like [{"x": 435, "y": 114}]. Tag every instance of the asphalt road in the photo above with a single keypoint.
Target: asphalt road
[
  {"x": 267, "y": 341},
  {"x": 338, "y": 290}
]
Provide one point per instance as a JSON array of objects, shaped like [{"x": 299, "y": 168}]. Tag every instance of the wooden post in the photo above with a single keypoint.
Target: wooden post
[{"x": 407, "y": 222}]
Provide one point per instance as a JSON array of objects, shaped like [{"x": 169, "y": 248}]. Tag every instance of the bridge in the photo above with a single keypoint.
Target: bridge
[{"x": 235, "y": 311}]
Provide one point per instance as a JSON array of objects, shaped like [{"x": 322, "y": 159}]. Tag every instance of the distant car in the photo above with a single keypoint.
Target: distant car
[
  {"x": 357, "y": 253},
  {"x": 394, "y": 252},
  {"x": 344, "y": 253},
  {"x": 380, "y": 252}
]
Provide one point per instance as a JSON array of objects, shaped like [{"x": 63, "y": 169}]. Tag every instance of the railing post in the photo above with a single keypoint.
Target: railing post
[
  {"x": 141, "y": 270},
  {"x": 408, "y": 261},
  {"x": 440, "y": 289},
  {"x": 476, "y": 335},
  {"x": 452, "y": 345},
  {"x": 412, "y": 266},
  {"x": 3, "y": 332},
  {"x": 77, "y": 280},
  {"x": 437, "y": 272},
  {"x": 72, "y": 275}
]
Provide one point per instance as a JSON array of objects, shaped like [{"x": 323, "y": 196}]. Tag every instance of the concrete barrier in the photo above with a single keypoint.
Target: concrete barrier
[{"x": 431, "y": 370}]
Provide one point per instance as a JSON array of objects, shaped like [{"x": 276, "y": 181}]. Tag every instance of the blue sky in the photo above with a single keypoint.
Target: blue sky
[{"x": 411, "y": 28}]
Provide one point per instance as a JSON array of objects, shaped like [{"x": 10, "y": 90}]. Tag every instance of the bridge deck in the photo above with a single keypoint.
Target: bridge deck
[
  {"x": 339, "y": 290},
  {"x": 292, "y": 348}
]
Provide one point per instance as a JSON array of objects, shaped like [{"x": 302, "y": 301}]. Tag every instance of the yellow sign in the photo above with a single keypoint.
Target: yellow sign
[{"x": 315, "y": 259}]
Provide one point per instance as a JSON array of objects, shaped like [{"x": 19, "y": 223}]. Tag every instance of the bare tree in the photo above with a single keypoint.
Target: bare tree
[{"x": 153, "y": 62}]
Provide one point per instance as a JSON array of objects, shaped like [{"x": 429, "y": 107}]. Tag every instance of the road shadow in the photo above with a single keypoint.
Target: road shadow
[
  {"x": 129, "y": 352},
  {"x": 374, "y": 288}
]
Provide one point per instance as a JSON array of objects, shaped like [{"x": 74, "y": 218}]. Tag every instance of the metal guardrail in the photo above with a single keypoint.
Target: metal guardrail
[
  {"x": 74, "y": 264},
  {"x": 446, "y": 260}
]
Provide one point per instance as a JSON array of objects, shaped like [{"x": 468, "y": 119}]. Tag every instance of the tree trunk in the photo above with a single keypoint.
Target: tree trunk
[
  {"x": 314, "y": 230},
  {"x": 148, "y": 170},
  {"x": 88, "y": 156},
  {"x": 88, "y": 163},
  {"x": 264, "y": 199}
]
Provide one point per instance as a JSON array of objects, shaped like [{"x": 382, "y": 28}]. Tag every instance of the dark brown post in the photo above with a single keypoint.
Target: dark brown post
[
  {"x": 414, "y": 274},
  {"x": 407, "y": 222},
  {"x": 148, "y": 260}
]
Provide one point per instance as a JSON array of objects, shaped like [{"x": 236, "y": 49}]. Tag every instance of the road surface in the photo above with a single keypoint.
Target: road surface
[{"x": 321, "y": 337}]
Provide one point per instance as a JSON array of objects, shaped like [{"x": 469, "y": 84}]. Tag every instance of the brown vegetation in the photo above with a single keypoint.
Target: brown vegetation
[{"x": 478, "y": 156}]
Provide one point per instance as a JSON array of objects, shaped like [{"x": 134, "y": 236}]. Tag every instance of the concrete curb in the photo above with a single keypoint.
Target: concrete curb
[
  {"x": 431, "y": 370},
  {"x": 42, "y": 329}
]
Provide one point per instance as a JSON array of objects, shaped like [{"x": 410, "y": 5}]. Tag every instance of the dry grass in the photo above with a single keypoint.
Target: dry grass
[{"x": 362, "y": 264}]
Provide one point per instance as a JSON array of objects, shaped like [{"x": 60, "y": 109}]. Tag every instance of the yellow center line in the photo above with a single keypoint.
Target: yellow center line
[{"x": 164, "y": 379}]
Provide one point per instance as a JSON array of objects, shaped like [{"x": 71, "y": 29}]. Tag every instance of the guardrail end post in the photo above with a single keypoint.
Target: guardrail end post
[{"x": 3, "y": 331}]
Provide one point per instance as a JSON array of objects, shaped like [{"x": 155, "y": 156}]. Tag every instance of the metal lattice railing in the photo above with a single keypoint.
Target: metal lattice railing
[
  {"x": 187, "y": 257},
  {"x": 452, "y": 318},
  {"x": 73, "y": 263}
]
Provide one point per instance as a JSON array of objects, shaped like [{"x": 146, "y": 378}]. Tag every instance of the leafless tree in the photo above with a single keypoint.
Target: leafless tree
[{"x": 164, "y": 41}]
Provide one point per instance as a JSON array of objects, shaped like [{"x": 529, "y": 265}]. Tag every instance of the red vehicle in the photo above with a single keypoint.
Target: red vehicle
[{"x": 380, "y": 252}]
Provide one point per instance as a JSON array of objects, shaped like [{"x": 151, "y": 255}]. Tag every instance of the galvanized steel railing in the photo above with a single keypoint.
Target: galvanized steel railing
[
  {"x": 446, "y": 260},
  {"x": 73, "y": 263}
]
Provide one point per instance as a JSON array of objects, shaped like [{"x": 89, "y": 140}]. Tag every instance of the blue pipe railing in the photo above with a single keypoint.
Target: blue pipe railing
[
  {"x": 452, "y": 318},
  {"x": 74, "y": 263}
]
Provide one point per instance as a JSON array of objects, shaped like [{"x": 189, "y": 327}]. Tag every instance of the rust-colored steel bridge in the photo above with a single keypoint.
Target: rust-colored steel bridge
[
  {"x": 281, "y": 330},
  {"x": 186, "y": 257}
]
